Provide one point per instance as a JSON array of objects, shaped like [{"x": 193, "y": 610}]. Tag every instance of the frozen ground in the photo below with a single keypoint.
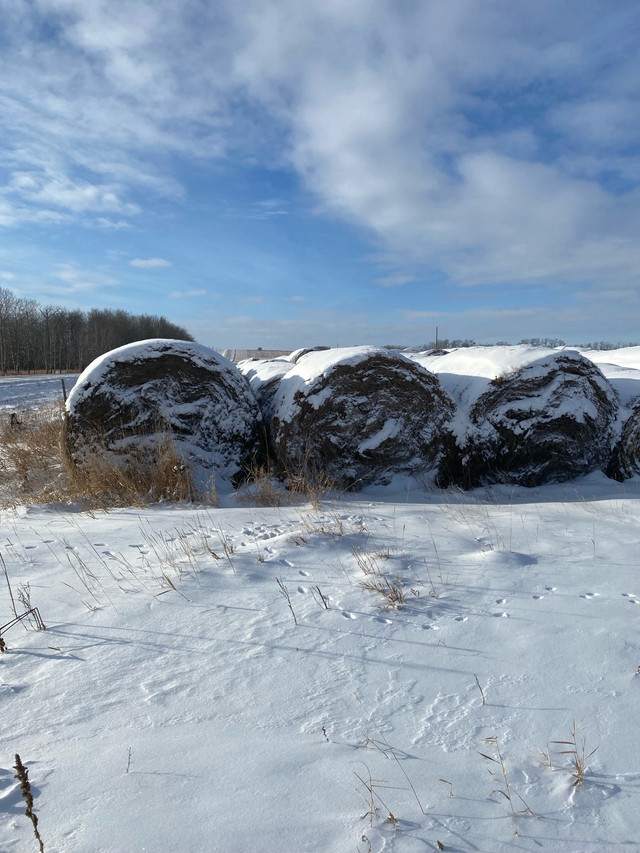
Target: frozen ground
[
  {"x": 20, "y": 392},
  {"x": 173, "y": 703}
]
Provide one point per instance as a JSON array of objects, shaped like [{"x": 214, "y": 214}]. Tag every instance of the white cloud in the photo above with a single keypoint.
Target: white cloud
[
  {"x": 59, "y": 191},
  {"x": 396, "y": 279},
  {"x": 182, "y": 294},
  {"x": 77, "y": 280},
  {"x": 470, "y": 137},
  {"x": 6, "y": 275},
  {"x": 430, "y": 124},
  {"x": 150, "y": 263}
]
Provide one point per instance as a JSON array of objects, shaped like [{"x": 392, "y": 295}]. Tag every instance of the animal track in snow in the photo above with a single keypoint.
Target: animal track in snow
[
  {"x": 589, "y": 595},
  {"x": 502, "y": 615},
  {"x": 348, "y": 615},
  {"x": 551, "y": 588},
  {"x": 537, "y": 596},
  {"x": 501, "y": 600},
  {"x": 631, "y": 597}
]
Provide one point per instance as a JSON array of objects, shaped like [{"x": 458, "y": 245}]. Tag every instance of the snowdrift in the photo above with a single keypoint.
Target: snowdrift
[
  {"x": 358, "y": 415},
  {"x": 551, "y": 420},
  {"x": 130, "y": 396}
]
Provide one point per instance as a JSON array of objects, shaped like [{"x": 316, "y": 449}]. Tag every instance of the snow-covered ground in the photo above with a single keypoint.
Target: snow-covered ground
[
  {"x": 20, "y": 392},
  {"x": 174, "y": 703}
]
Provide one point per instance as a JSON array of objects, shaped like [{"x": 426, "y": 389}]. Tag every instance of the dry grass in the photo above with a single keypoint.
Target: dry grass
[
  {"x": 390, "y": 587},
  {"x": 266, "y": 487},
  {"x": 31, "y": 465},
  {"x": 577, "y": 751},
  {"x": 263, "y": 488},
  {"x": 497, "y": 760},
  {"x": 34, "y": 468},
  {"x": 151, "y": 474}
]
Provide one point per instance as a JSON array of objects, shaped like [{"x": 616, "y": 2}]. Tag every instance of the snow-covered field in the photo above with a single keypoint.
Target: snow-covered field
[
  {"x": 179, "y": 701},
  {"x": 20, "y": 392}
]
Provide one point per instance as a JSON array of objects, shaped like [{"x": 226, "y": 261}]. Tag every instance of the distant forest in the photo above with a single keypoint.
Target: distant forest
[{"x": 45, "y": 338}]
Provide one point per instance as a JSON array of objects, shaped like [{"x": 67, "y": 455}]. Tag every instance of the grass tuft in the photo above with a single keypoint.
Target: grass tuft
[
  {"x": 266, "y": 487},
  {"x": 388, "y": 586},
  {"x": 578, "y": 754}
]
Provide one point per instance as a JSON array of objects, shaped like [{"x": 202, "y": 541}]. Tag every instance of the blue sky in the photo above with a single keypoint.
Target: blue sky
[{"x": 280, "y": 173}]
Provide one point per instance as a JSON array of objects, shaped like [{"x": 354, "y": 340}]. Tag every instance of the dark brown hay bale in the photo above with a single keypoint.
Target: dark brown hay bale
[
  {"x": 625, "y": 459},
  {"x": 130, "y": 397},
  {"x": 358, "y": 415},
  {"x": 551, "y": 421}
]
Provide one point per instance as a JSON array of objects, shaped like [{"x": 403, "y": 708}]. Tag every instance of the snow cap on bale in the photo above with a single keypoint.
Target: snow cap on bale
[
  {"x": 550, "y": 421},
  {"x": 264, "y": 377},
  {"x": 128, "y": 397},
  {"x": 358, "y": 415}
]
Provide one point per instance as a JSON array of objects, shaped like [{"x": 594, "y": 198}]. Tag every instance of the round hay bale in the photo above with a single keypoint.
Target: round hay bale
[
  {"x": 358, "y": 416},
  {"x": 137, "y": 396},
  {"x": 625, "y": 458},
  {"x": 550, "y": 421}
]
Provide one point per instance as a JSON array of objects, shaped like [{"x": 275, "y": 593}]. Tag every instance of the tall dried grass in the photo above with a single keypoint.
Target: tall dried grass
[
  {"x": 267, "y": 486},
  {"x": 35, "y": 468},
  {"x": 31, "y": 465},
  {"x": 152, "y": 473}
]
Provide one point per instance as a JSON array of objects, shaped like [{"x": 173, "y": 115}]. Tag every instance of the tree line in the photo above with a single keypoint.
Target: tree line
[{"x": 45, "y": 338}]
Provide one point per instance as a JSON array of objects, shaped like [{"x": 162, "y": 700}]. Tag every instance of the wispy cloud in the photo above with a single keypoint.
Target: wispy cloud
[
  {"x": 75, "y": 280},
  {"x": 150, "y": 263},
  {"x": 184, "y": 294},
  {"x": 259, "y": 209},
  {"x": 394, "y": 280}
]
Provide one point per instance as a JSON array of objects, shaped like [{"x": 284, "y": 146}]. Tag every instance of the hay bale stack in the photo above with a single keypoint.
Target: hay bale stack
[
  {"x": 129, "y": 398},
  {"x": 551, "y": 421},
  {"x": 358, "y": 415}
]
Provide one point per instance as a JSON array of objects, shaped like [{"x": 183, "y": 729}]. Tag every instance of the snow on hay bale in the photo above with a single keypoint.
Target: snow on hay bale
[
  {"x": 550, "y": 421},
  {"x": 625, "y": 459},
  {"x": 264, "y": 377},
  {"x": 358, "y": 415},
  {"x": 129, "y": 398}
]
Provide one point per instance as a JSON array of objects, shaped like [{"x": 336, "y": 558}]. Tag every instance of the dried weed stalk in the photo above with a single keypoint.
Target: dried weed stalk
[
  {"x": 22, "y": 775},
  {"x": 388, "y": 751},
  {"x": 285, "y": 592},
  {"x": 506, "y": 791}
]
